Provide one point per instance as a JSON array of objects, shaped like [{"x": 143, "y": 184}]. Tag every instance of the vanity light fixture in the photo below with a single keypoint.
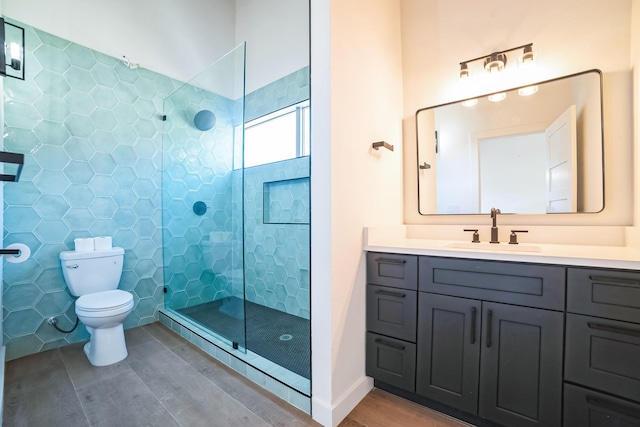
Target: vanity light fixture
[
  {"x": 497, "y": 61},
  {"x": 497, "y": 97},
  {"x": 12, "y": 53},
  {"x": 528, "y": 90}
]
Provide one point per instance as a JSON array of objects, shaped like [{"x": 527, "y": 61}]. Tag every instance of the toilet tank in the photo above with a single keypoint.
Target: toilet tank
[{"x": 92, "y": 271}]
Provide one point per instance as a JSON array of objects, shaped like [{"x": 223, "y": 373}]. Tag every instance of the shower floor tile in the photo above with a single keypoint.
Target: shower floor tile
[{"x": 277, "y": 336}]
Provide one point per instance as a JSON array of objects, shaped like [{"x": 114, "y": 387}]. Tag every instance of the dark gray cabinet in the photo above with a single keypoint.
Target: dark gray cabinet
[
  {"x": 449, "y": 350},
  {"x": 602, "y": 349},
  {"x": 392, "y": 312},
  {"x": 589, "y": 408},
  {"x": 521, "y": 365},
  {"x": 498, "y": 361},
  {"x": 391, "y": 361},
  {"x": 513, "y": 344},
  {"x": 392, "y": 302}
]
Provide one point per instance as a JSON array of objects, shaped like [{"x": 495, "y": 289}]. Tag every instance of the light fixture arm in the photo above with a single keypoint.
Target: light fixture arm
[{"x": 524, "y": 46}]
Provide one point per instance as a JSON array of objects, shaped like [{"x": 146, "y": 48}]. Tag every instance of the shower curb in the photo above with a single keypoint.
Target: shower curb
[{"x": 226, "y": 356}]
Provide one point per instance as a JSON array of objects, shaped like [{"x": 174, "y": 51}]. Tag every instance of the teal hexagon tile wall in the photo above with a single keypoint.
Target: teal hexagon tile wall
[{"x": 92, "y": 140}]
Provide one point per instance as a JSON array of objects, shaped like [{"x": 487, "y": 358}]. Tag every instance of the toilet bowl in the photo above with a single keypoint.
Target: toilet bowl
[
  {"x": 93, "y": 276},
  {"x": 102, "y": 313}
]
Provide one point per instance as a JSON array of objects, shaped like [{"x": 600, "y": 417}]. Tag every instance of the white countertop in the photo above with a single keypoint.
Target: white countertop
[{"x": 393, "y": 240}]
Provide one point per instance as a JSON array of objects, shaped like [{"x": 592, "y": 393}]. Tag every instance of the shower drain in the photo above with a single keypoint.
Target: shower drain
[{"x": 286, "y": 337}]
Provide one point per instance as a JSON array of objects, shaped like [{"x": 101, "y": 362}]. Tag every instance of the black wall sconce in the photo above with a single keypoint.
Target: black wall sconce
[{"x": 12, "y": 51}]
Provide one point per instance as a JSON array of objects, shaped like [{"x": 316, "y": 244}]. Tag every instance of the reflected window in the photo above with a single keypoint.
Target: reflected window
[{"x": 281, "y": 135}]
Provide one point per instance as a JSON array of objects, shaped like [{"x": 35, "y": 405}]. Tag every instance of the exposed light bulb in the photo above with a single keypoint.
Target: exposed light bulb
[{"x": 14, "y": 49}]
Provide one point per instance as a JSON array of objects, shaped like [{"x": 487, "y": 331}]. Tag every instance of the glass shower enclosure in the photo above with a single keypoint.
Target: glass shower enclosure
[
  {"x": 202, "y": 199},
  {"x": 236, "y": 239}
]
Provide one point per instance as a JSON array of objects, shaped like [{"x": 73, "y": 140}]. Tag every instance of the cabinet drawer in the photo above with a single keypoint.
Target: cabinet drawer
[
  {"x": 586, "y": 408},
  {"x": 397, "y": 271},
  {"x": 604, "y": 293},
  {"x": 603, "y": 354},
  {"x": 531, "y": 285},
  {"x": 392, "y": 312},
  {"x": 391, "y": 361}
]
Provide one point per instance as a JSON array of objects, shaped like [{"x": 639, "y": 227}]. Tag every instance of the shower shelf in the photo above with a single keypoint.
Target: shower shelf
[{"x": 15, "y": 158}]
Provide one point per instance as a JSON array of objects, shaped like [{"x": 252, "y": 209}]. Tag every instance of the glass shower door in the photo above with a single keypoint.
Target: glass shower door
[{"x": 202, "y": 202}]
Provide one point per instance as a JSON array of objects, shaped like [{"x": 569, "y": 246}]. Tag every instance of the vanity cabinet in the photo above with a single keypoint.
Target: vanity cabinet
[
  {"x": 602, "y": 360},
  {"x": 500, "y": 361},
  {"x": 507, "y": 343},
  {"x": 392, "y": 302}
]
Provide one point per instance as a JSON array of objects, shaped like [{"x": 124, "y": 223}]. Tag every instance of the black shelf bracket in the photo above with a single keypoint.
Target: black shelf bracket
[{"x": 15, "y": 158}]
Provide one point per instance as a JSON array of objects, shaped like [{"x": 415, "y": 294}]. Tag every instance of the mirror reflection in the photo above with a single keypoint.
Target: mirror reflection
[{"x": 531, "y": 150}]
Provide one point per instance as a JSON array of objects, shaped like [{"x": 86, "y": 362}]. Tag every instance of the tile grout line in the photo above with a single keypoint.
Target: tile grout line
[
  {"x": 73, "y": 384},
  {"x": 149, "y": 388},
  {"x": 216, "y": 385}
]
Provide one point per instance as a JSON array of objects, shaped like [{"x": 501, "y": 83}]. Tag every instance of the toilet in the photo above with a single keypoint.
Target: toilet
[{"x": 93, "y": 276}]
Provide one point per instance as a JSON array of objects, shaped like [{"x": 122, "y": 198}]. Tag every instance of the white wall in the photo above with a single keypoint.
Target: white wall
[
  {"x": 175, "y": 39},
  {"x": 180, "y": 39},
  {"x": 635, "y": 60},
  {"x": 569, "y": 36},
  {"x": 359, "y": 100}
]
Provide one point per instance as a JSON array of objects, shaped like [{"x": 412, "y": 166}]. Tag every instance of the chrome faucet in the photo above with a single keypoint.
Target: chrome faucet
[{"x": 494, "y": 228}]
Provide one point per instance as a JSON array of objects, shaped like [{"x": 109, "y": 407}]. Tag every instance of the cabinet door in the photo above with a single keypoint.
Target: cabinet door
[
  {"x": 521, "y": 367},
  {"x": 448, "y": 350},
  {"x": 587, "y": 408},
  {"x": 391, "y": 361},
  {"x": 392, "y": 312},
  {"x": 603, "y": 354}
]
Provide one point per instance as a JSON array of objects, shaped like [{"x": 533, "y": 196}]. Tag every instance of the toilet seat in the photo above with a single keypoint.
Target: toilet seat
[{"x": 106, "y": 303}]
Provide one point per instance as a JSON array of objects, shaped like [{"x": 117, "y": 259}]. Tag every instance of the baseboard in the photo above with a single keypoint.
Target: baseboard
[{"x": 332, "y": 415}]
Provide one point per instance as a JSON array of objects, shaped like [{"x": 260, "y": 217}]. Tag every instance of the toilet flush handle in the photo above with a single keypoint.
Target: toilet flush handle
[{"x": 73, "y": 266}]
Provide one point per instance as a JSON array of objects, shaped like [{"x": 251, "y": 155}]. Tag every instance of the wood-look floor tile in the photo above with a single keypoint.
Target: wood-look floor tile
[
  {"x": 166, "y": 336},
  {"x": 82, "y": 372},
  {"x": 136, "y": 336},
  {"x": 38, "y": 391},
  {"x": 267, "y": 406},
  {"x": 188, "y": 396},
  {"x": 382, "y": 409},
  {"x": 348, "y": 422},
  {"x": 123, "y": 401}
]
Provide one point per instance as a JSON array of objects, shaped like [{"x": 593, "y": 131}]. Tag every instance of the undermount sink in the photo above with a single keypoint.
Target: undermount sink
[{"x": 486, "y": 246}]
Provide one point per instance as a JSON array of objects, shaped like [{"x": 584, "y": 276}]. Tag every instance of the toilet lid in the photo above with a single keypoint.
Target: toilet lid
[{"x": 106, "y": 300}]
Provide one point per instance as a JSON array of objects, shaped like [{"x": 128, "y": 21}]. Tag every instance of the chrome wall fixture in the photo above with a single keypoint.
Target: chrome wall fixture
[
  {"x": 497, "y": 61},
  {"x": 12, "y": 55}
]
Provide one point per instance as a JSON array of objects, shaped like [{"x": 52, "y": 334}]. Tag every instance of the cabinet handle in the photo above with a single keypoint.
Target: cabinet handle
[
  {"x": 489, "y": 321},
  {"x": 391, "y": 261},
  {"x": 473, "y": 325},
  {"x": 614, "y": 280},
  {"x": 613, "y": 407},
  {"x": 616, "y": 329},
  {"x": 390, "y": 344},
  {"x": 390, "y": 294}
]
